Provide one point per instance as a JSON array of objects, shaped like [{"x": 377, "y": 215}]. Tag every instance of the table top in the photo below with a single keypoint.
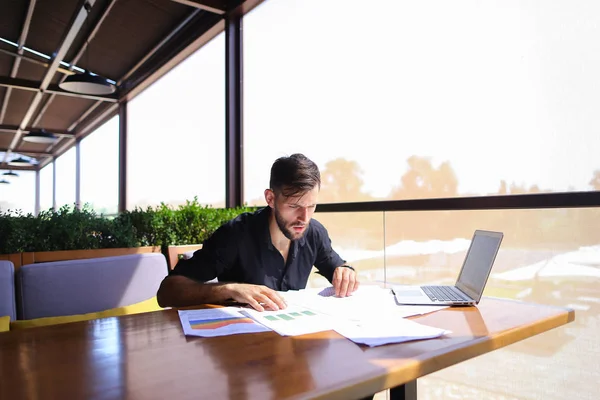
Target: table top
[{"x": 146, "y": 356}]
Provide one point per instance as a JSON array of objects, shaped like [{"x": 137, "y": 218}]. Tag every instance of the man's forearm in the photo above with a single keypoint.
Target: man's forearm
[{"x": 180, "y": 291}]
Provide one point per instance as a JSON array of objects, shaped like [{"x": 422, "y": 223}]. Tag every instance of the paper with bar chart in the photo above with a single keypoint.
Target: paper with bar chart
[
  {"x": 218, "y": 322},
  {"x": 292, "y": 321}
]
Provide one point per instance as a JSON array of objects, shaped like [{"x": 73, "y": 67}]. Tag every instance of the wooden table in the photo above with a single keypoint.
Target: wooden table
[{"x": 146, "y": 356}]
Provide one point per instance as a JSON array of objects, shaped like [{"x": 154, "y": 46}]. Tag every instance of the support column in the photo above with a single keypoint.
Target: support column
[
  {"x": 234, "y": 191},
  {"x": 78, "y": 174},
  {"x": 122, "y": 156}
]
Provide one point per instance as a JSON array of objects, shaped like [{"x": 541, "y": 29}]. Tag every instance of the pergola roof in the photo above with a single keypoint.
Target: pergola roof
[{"x": 130, "y": 42}]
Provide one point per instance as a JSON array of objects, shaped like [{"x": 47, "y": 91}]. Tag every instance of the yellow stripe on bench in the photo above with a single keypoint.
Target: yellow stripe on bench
[
  {"x": 4, "y": 324},
  {"x": 141, "y": 307}
]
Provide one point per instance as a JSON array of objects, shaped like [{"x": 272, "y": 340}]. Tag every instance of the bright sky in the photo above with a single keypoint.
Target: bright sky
[{"x": 503, "y": 90}]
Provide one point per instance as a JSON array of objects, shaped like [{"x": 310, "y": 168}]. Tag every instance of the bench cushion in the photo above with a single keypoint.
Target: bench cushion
[
  {"x": 87, "y": 286},
  {"x": 7, "y": 290}
]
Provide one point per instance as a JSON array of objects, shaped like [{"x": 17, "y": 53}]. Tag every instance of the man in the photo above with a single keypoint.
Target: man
[{"x": 256, "y": 254}]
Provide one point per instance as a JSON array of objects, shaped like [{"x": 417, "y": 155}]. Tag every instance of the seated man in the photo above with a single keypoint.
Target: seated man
[{"x": 256, "y": 254}]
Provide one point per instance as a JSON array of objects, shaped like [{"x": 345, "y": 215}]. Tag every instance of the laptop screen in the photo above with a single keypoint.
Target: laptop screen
[{"x": 478, "y": 263}]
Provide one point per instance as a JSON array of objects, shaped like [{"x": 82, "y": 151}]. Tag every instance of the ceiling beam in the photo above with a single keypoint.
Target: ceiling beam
[
  {"x": 34, "y": 61},
  {"x": 14, "y": 129},
  {"x": 34, "y": 86},
  {"x": 18, "y": 83},
  {"x": 214, "y": 6},
  {"x": 77, "y": 22},
  {"x": 12, "y": 168},
  {"x": 17, "y": 63},
  {"x": 30, "y": 152}
]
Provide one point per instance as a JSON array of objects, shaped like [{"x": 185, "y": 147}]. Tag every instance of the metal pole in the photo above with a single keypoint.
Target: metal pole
[
  {"x": 122, "y": 156},
  {"x": 233, "y": 111}
]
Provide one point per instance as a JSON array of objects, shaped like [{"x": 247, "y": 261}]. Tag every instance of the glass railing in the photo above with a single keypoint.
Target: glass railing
[
  {"x": 548, "y": 256},
  {"x": 359, "y": 238}
]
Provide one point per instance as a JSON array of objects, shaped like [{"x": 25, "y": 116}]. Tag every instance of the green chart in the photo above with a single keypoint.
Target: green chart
[{"x": 290, "y": 316}]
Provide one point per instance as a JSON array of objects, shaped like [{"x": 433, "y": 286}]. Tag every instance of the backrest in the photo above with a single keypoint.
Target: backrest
[
  {"x": 82, "y": 286},
  {"x": 7, "y": 290}
]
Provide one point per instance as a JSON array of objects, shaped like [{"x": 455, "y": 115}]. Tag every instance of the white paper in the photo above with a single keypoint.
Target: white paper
[
  {"x": 292, "y": 321},
  {"x": 218, "y": 322},
  {"x": 396, "y": 331}
]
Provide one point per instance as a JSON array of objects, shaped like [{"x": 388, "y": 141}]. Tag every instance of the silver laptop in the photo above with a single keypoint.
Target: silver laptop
[{"x": 471, "y": 280}]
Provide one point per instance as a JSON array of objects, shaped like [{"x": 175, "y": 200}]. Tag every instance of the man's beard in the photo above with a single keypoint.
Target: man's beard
[{"x": 287, "y": 232}]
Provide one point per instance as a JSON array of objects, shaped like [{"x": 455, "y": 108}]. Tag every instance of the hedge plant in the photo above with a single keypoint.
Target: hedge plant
[{"x": 69, "y": 228}]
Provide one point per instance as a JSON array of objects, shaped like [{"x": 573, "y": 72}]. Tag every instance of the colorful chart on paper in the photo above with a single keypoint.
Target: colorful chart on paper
[
  {"x": 290, "y": 316},
  {"x": 219, "y": 322}
]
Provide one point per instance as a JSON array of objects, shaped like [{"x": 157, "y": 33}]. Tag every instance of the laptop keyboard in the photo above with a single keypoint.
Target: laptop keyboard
[{"x": 444, "y": 293}]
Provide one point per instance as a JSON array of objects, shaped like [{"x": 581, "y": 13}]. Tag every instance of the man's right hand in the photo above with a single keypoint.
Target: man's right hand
[{"x": 259, "y": 297}]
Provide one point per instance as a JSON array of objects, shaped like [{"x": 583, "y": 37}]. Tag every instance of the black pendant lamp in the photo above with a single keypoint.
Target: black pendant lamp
[
  {"x": 87, "y": 83},
  {"x": 20, "y": 162},
  {"x": 10, "y": 174},
  {"x": 40, "y": 136}
]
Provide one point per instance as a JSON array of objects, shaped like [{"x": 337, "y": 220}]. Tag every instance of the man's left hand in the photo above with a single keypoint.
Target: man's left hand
[{"x": 344, "y": 281}]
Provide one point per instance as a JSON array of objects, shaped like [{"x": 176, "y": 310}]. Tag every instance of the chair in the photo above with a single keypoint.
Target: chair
[
  {"x": 73, "y": 287},
  {"x": 7, "y": 290}
]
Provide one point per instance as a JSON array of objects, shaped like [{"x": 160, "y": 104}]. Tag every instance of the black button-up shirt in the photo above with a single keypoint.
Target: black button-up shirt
[{"x": 241, "y": 251}]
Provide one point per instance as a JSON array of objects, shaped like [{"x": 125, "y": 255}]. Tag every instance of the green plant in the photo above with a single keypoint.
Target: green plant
[{"x": 69, "y": 228}]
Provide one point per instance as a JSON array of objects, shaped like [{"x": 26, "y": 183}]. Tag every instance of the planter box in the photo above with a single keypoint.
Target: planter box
[
  {"x": 15, "y": 258},
  {"x": 62, "y": 255}
]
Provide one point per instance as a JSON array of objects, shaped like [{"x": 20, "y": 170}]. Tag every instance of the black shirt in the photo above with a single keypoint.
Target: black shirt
[{"x": 241, "y": 251}]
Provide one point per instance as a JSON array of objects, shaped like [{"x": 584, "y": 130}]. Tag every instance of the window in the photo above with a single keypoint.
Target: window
[
  {"x": 425, "y": 99},
  {"x": 100, "y": 168},
  {"x": 65, "y": 179},
  {"x": 19, "y": 194},
  {"x": 46, "y": 190},
  {"x": 176, "y": 128}
]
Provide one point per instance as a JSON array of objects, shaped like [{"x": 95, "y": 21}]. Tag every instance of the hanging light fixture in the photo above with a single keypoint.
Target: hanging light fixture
[
  {"x": 11, "y": 174},
  {"x": 20, "y": 162},
  {"x": 40, "y": 136},
  {"x": 5, "y": 181},
  {"x": 87, "y": 83}
]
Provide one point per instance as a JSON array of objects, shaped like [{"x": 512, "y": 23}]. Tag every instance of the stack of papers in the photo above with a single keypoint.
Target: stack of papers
[
  {"x": 369, "y": 316},
  {"x": 368, "y": 303}
]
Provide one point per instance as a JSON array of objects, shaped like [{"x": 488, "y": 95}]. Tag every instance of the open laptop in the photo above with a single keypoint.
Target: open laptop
[{"x": 471, "y": 280}]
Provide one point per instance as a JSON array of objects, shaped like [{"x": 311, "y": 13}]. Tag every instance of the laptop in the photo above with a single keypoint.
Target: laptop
[{"x": 471, "y": 281}]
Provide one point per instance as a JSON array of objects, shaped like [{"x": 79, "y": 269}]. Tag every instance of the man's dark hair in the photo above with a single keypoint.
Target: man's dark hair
[{"x": 293, "y": 175}]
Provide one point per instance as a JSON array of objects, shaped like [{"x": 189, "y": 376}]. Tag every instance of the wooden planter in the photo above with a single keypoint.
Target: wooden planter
[{"x": 15, "y": 258}]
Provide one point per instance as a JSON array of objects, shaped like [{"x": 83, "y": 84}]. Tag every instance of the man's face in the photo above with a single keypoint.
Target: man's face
[{"x": 293, "y": 214}]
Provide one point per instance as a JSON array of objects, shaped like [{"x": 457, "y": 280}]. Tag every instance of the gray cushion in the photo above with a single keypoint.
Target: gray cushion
[
  {"x": 7, "y": 290},
  {"x": 82, "y": 286}
]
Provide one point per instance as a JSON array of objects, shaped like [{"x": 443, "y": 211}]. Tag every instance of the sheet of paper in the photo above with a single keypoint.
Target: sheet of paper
[
  {"x": 388, "y": 331},
  {"x": 292, "y": 321},
  {"x": 218, "y": 322}
]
